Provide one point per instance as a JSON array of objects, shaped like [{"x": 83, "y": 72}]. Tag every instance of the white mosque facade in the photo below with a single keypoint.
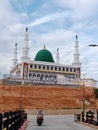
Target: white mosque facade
[{"x": 43, "y": 69}]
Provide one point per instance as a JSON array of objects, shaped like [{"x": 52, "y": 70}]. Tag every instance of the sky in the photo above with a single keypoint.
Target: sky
[{"x": 54, "y": 23}]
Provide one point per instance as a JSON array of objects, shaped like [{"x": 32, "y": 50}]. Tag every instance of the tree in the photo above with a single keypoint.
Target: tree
[{"x": 96, "y": 92}]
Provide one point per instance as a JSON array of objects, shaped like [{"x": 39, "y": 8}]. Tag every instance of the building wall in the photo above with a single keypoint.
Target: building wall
[
  {"x": 49, "y": 73},
  {"x": 89, "y": 82}
]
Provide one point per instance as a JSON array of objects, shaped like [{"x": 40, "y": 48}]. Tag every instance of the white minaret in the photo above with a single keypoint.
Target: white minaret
[
  {"x": 76, "y": 54},
  {"x": 15, "y": 60},
  {"x": 25, "y": 57},
  {"x": 57, "y": 56}
]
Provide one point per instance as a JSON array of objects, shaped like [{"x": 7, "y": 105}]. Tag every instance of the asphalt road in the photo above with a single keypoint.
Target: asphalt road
[{"x": 55, "y": 122}]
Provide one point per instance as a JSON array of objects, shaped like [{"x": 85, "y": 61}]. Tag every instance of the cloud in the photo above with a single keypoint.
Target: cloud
[
  {"x": 48, "y": 18},
  {"x": 79, "y": 10},
  {"x": 68, "y": 4},
  {"x": 62, "y": 39},
  {"x": 55, "y": 24}
]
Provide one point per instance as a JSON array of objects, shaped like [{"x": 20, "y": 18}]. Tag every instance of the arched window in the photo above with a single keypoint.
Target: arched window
[
  {"x": 35, "y": 66},
  {"x": 47, "y": 67},
  {"x": 67, "y": 69},
  {"x": 38, "y": 76},
  {"x": 30, "y": 75},
  {"x": 41, "y": 77},
  {"x": 43, "y": 67},
  {"x": 34, "y": 76},
  {"x": 70, "y": 69},
  {"x": 55, "y": 68},
  {"x": 50, "y": 78},
  {"x": 39, "y": 67},
  {"x": 46, "y": 77},
  {"x": 63, "y": 69},
  {"x": 54, "y": 78},
  {"x": 31, "y": 66},
  {"x": 74, "y": 70},
  {"x": 51, "y": 67}
]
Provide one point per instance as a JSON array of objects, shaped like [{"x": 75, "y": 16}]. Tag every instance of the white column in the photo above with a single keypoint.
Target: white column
[
  {"x": 25, "y": 57},
  {"x": 15, "y": 60},
  {"x": 57, "y": 56},
  {"x": 76, "y": 53}
]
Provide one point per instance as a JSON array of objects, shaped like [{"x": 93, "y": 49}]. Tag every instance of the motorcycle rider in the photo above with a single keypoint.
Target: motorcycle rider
[
  {"x": 40, "y": 117},
  {"x": 40, "y": 113}
]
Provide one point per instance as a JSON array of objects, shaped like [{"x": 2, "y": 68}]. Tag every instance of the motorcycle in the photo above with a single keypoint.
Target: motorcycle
[{"x": 40, "y": 120}]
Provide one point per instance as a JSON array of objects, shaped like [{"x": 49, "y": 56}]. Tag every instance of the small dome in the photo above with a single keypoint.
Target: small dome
[{"x": 44, "y": 55}]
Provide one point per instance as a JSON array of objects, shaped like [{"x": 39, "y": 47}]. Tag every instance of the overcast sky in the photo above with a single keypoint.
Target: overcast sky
[{"x": 53, "y": 23}]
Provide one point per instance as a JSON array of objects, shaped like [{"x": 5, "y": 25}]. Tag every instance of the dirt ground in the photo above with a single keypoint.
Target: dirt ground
[{"x": 53, "y": 99}]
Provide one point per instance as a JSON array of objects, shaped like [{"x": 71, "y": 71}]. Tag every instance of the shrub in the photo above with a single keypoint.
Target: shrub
[{"x": 96, "y": 92}]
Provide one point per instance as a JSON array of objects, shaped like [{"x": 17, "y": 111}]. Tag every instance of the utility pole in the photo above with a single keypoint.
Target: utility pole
[
  {"x": 83, "y": 92},
  {"x": 94, "y": 45},
  {"x": 21, "y": 105}
]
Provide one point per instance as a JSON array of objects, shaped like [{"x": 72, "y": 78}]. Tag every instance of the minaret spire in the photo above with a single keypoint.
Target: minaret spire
[
  {"x": 57, "y": 56},
  {"x": 15, "y": 60},
  {"x": 25, "y": 57},
  {"x": 26, "y": 29},
  {"x": 44, "y": 47},
  {"x": 76, "y": 53},
  {"x": 76, "y": 37}
]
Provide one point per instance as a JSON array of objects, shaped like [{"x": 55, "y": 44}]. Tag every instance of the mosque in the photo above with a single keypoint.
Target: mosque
[{"x": 44, "y": 69}]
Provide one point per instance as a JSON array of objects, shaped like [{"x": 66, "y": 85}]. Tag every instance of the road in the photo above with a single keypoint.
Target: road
[{"x": 56, "y": 122}]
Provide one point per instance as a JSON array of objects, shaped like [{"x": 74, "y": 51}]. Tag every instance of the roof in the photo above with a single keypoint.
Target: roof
[{"x": 44, "y": 55}]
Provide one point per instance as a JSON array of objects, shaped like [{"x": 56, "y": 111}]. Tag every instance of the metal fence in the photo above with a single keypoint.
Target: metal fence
[{"x": 12, "y": 120}]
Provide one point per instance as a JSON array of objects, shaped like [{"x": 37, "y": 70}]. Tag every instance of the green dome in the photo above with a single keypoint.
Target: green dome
[{"x": 44, "y": 55}]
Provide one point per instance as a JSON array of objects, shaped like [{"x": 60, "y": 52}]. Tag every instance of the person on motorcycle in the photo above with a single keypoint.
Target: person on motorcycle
[
  {"x": 40, "y": 113},
  {"x": 40, "y": 117}
]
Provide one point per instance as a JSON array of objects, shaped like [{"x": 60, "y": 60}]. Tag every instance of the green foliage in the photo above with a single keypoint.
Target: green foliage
[{"x": 96, "y": 92}]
